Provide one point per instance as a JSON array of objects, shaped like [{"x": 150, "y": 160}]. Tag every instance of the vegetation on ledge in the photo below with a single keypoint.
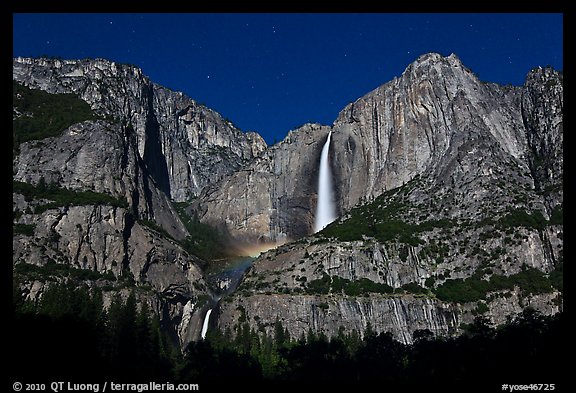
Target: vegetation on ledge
[
  {"x": 62, "y": 196},
  {"x": 155, "y": 227},
  {"x": 24, "y": 229},
  {"x": 50, "y": 270},
  {"x": 530, "y": 281},
  {"x": 43, "y": 115},
  {"x": 204, "y": 241},
  {"x": 383, "y": 219},
  {"x": 334, "y": 284}
]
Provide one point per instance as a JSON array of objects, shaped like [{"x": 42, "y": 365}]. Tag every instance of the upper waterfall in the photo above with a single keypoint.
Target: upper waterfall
[{"x": 325, "y": 209}]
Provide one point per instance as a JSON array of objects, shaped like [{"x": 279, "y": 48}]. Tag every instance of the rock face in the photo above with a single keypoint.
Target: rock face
[
  {"x": 408, "y": 126},
  {"x": 451, "y": 179},
  {"x": 184, "y": 145},
  {"x": 422, "y": 123},
  {"x": 449, "y": 192},
  {"x": 400, "y": 316},
  {"x": 273, "y": 198},
  {"x": 278, "y": 286},
  {"x": 153, "y": 145},
  {"x": 103, "y": 238},
  {"x": 101, "y": 157},
  {"x": 542, "y": 113}
]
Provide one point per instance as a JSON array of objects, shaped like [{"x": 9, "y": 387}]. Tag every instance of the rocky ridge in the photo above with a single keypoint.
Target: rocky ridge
[
  {"x": 270, "y": 200},
  {"x": 443, "y": 172},
  {"x": 115, "y": 240},
  {"x": 184, "y": 144},
  {"x": 439, "y": 178},
  {"x": 417, "y": 124},
  {"x": 146, "y": 147}
]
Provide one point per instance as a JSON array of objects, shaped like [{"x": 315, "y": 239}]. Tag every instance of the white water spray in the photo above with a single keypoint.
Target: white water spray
[
  {"x": 325, "y": 210},
  {"x": 205, "y": 325}
]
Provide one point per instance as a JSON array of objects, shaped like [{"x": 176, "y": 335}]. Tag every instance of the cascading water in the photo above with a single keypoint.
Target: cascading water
[
  {"x": 325, "y": 210},
  {"x": 205, "y": 325}
]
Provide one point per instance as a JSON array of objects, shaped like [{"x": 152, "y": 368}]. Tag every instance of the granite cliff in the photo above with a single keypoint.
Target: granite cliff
[
  {"x": 449, "y": 192},
  {"x": 421, "y": 123},
  {"x": 450, "y": 195},
  {"x": 184, "y": 144},
  {"x": 98, "y": 195}
]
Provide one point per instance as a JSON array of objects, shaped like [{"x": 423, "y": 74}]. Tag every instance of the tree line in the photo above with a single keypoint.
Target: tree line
[{"x": 69, "y": 334}]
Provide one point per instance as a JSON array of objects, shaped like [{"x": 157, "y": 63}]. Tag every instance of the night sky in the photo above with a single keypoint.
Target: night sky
[{"x": 273, "y": 72}]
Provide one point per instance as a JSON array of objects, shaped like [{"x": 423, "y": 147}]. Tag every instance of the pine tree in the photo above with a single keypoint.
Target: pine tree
[
  {"x": 302, "y": 339},
  {"x": 279, "y": 334},
  {"x": 128, "y": 346},
  {"x": 311, "y": 337},
  {"x": 114, "y": 326},
  {"x": 18, "y": 302},
  {"x": 369, "y": 332},
  {"x": 255, "y": 348},
  {"x": 41, "y": 186},
  {"x": 156, "y": 340},
  {"x": 144, "y": 343},
  {"x": 57, "y": 301}
]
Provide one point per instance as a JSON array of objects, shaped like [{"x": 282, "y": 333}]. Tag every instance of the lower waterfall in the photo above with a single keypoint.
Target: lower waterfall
[{"x": 205, "y": 325}]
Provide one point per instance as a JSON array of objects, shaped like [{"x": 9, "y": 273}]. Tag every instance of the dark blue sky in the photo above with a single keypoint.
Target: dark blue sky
[{"x": 272, "y": 72}]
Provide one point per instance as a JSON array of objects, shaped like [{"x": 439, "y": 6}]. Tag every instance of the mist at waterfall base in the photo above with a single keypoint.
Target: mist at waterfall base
[
  {"x": 233, "y": 269},
  {"x": 255, "y": 249},
  {"x": 223, "y": 276},
  {"x": 325, "y": 210}
]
